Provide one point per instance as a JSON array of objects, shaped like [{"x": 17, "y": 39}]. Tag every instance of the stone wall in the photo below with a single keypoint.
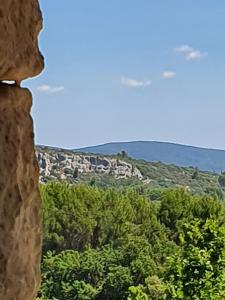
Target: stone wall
[
  {"x": 20, "y": 234},
  {"x": 20, "y": 24}
]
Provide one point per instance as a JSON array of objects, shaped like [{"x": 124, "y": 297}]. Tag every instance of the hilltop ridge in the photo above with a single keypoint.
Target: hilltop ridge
[{"x": 205, "y": 159}]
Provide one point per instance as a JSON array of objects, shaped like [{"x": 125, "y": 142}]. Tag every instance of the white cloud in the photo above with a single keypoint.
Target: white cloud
[
  {"x": 190, "y": 53},
  {"x": 193, "y": 55},
  {"x": 50, "y": 89},
  {"x": 184, "y": 49},
  {"x": 169, "y": 74},
  {"x": 134, "y": 83}
]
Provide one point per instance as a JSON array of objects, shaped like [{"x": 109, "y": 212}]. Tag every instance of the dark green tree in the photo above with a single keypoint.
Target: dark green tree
[{"x": 221, "y": 180}]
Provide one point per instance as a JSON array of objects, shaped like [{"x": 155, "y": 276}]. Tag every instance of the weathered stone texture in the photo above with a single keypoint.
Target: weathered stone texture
[
  {"x": 20, "y": 241},
  {"x": 20, "y": 24}
]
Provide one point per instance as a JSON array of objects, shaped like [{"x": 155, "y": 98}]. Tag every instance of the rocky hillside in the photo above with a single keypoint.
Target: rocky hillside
[
  {"x": 65, "y": 165},
  {"x": 121, "y": 172}
]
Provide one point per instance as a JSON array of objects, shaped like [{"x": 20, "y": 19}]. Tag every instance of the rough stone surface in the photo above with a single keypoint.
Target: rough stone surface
[
  {"x": 62, "y": 165},
  {"x": 20, "y": 24},
  {"x": 20, "y": 242}
]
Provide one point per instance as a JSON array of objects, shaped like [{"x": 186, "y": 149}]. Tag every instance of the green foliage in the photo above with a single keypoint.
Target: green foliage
[
  {"x": 153, "y": 289},
  {"x": 62, "y": 278},
  {"x": 114, "y": 244},
  {"x": 195, "y": 174},
  {"x": 221, "y": 180},
  {"x": 97, "y": 274},
  {"x": 196, "y": 271},
  {"x": 123, "y": 154},
  {"x": 137, "y": 293},
  {"x": 76, "y": 217},
  {"x": 178, "y": 207}
]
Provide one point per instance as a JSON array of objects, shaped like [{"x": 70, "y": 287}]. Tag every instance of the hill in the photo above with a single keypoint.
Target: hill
[
  {"x": 212, "y": 160},
  {"x": 121, "y": 172}
]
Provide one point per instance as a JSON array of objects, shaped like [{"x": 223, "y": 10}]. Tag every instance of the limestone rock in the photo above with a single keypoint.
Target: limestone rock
[
  {"x": 20, "y": 24},
  {"x": 20, "y": 239},
  {"x": 56, "y": 164}
]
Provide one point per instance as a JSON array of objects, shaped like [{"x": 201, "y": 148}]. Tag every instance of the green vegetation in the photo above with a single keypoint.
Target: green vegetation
[
  {"x": 158, "y": 176},
  {"x": 221, "y": 180},
  {"x": 197, "y": 270},
  {"x": 108, "y": 244}
]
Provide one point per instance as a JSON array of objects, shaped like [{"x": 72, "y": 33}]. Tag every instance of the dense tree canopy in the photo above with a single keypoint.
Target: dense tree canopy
[{"x": 109, "y": 245}]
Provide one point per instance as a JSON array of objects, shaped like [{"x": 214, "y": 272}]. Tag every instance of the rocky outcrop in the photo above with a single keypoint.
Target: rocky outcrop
[
  {"x": 20, "y": 241},
  {"x": 65, "y": 165},
  {"x": 20, "y": 24}
]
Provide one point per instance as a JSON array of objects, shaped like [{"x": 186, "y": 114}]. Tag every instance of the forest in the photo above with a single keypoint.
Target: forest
[{"x": 110, "y": 244}]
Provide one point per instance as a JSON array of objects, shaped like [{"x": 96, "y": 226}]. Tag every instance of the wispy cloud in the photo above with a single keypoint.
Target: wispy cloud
[
  {"x": 193, "y": 55},
  {"x": 134, "y": 83},
  {"x": 184, "y": 49},
  {"x": 169, "y": 74},
  {"x": 190, "y": 53},
  {"x": 50, "y": 89}
]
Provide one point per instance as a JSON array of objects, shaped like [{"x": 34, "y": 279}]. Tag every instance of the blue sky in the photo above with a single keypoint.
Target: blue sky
[{"x": 126, "y": 70}]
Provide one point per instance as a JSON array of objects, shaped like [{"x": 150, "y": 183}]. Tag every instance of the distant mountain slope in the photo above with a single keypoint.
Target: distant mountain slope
[{"x": 212, "y": 160}]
